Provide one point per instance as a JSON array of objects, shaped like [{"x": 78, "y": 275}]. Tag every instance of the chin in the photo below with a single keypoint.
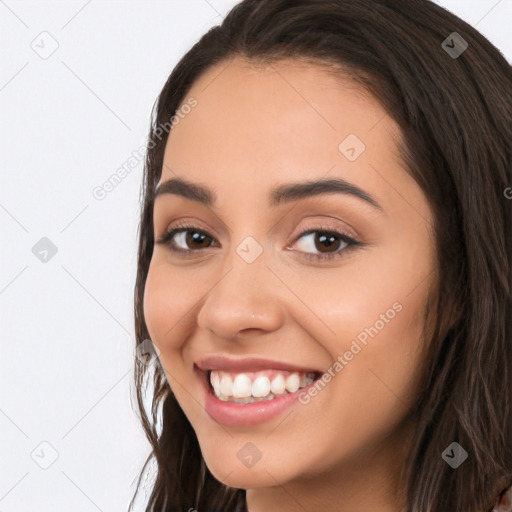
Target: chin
[{"x": 247, "y": 478}]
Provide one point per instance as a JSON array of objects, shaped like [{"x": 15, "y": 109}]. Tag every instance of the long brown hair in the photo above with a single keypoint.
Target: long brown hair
[{"x": 455, "y": 116}]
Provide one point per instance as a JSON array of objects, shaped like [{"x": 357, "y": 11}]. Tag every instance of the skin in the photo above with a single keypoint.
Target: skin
[{"x": 254, "y": 128}]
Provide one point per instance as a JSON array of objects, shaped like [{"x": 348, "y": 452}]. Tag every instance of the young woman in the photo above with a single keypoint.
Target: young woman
[{"x": 324, "y": 264}]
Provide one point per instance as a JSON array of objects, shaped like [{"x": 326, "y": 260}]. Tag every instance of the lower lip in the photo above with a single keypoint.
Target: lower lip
[{"x": 242, "y": 415}]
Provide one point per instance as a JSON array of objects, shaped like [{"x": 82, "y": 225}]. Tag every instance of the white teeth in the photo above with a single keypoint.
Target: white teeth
[
  {"x": 261, "y": 386},
  {"x": 278, "y": 386},
  {"x": 250, "y": 387},
  {"x": 215, "y": 380},
  {"x": 292, "y": 383},
  {"x": 242, "y": 386},
  {"x": 226, "y": 385}
]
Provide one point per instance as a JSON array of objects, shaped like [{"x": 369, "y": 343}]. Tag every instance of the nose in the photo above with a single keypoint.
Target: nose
[{"x": 243, "y": 300}]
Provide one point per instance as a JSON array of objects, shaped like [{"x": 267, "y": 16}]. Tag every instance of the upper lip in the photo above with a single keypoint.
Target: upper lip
[{"x": 248, "y": 364}]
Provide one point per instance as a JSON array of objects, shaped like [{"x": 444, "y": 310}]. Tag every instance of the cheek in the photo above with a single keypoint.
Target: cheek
[
  {"x": 167, "y": 306},
  {"x": 375, "y": 313},
  {"x": 382, "y": 377},
  {"x": 382, "y": 297}
]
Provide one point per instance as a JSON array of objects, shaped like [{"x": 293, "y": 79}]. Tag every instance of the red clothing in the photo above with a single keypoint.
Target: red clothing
[{"x": 504, "y": 501}]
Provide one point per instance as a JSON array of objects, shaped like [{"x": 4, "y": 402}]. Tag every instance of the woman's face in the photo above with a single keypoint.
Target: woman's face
[{"x": 250, "y": 282}]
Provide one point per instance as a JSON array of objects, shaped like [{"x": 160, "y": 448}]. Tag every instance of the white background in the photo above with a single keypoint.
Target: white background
[{"x": 68, "y": 122}]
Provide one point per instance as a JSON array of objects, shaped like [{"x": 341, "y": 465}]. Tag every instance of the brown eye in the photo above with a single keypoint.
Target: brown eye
[
  {"x": 186, "y": 239},
  {"x": 322, "y": 244},
  {"x": 322, "y": 241},
  {"x": 330, "y": 242},
  {"x": 194, "y": 239}
]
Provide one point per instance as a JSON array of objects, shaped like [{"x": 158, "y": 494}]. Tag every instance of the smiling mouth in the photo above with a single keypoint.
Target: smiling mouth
[{"x": 259, "y": 386}]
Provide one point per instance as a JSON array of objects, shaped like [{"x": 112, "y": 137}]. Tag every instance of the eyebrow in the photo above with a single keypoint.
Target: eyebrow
[{"x": 278, "y": 195}]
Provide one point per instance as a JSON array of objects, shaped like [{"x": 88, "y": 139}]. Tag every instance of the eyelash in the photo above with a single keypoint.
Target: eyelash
[{"x": 351, "y": 242}]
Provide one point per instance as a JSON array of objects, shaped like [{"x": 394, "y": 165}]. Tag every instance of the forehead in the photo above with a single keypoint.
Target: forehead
[{"x": 270, "y": 123}]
